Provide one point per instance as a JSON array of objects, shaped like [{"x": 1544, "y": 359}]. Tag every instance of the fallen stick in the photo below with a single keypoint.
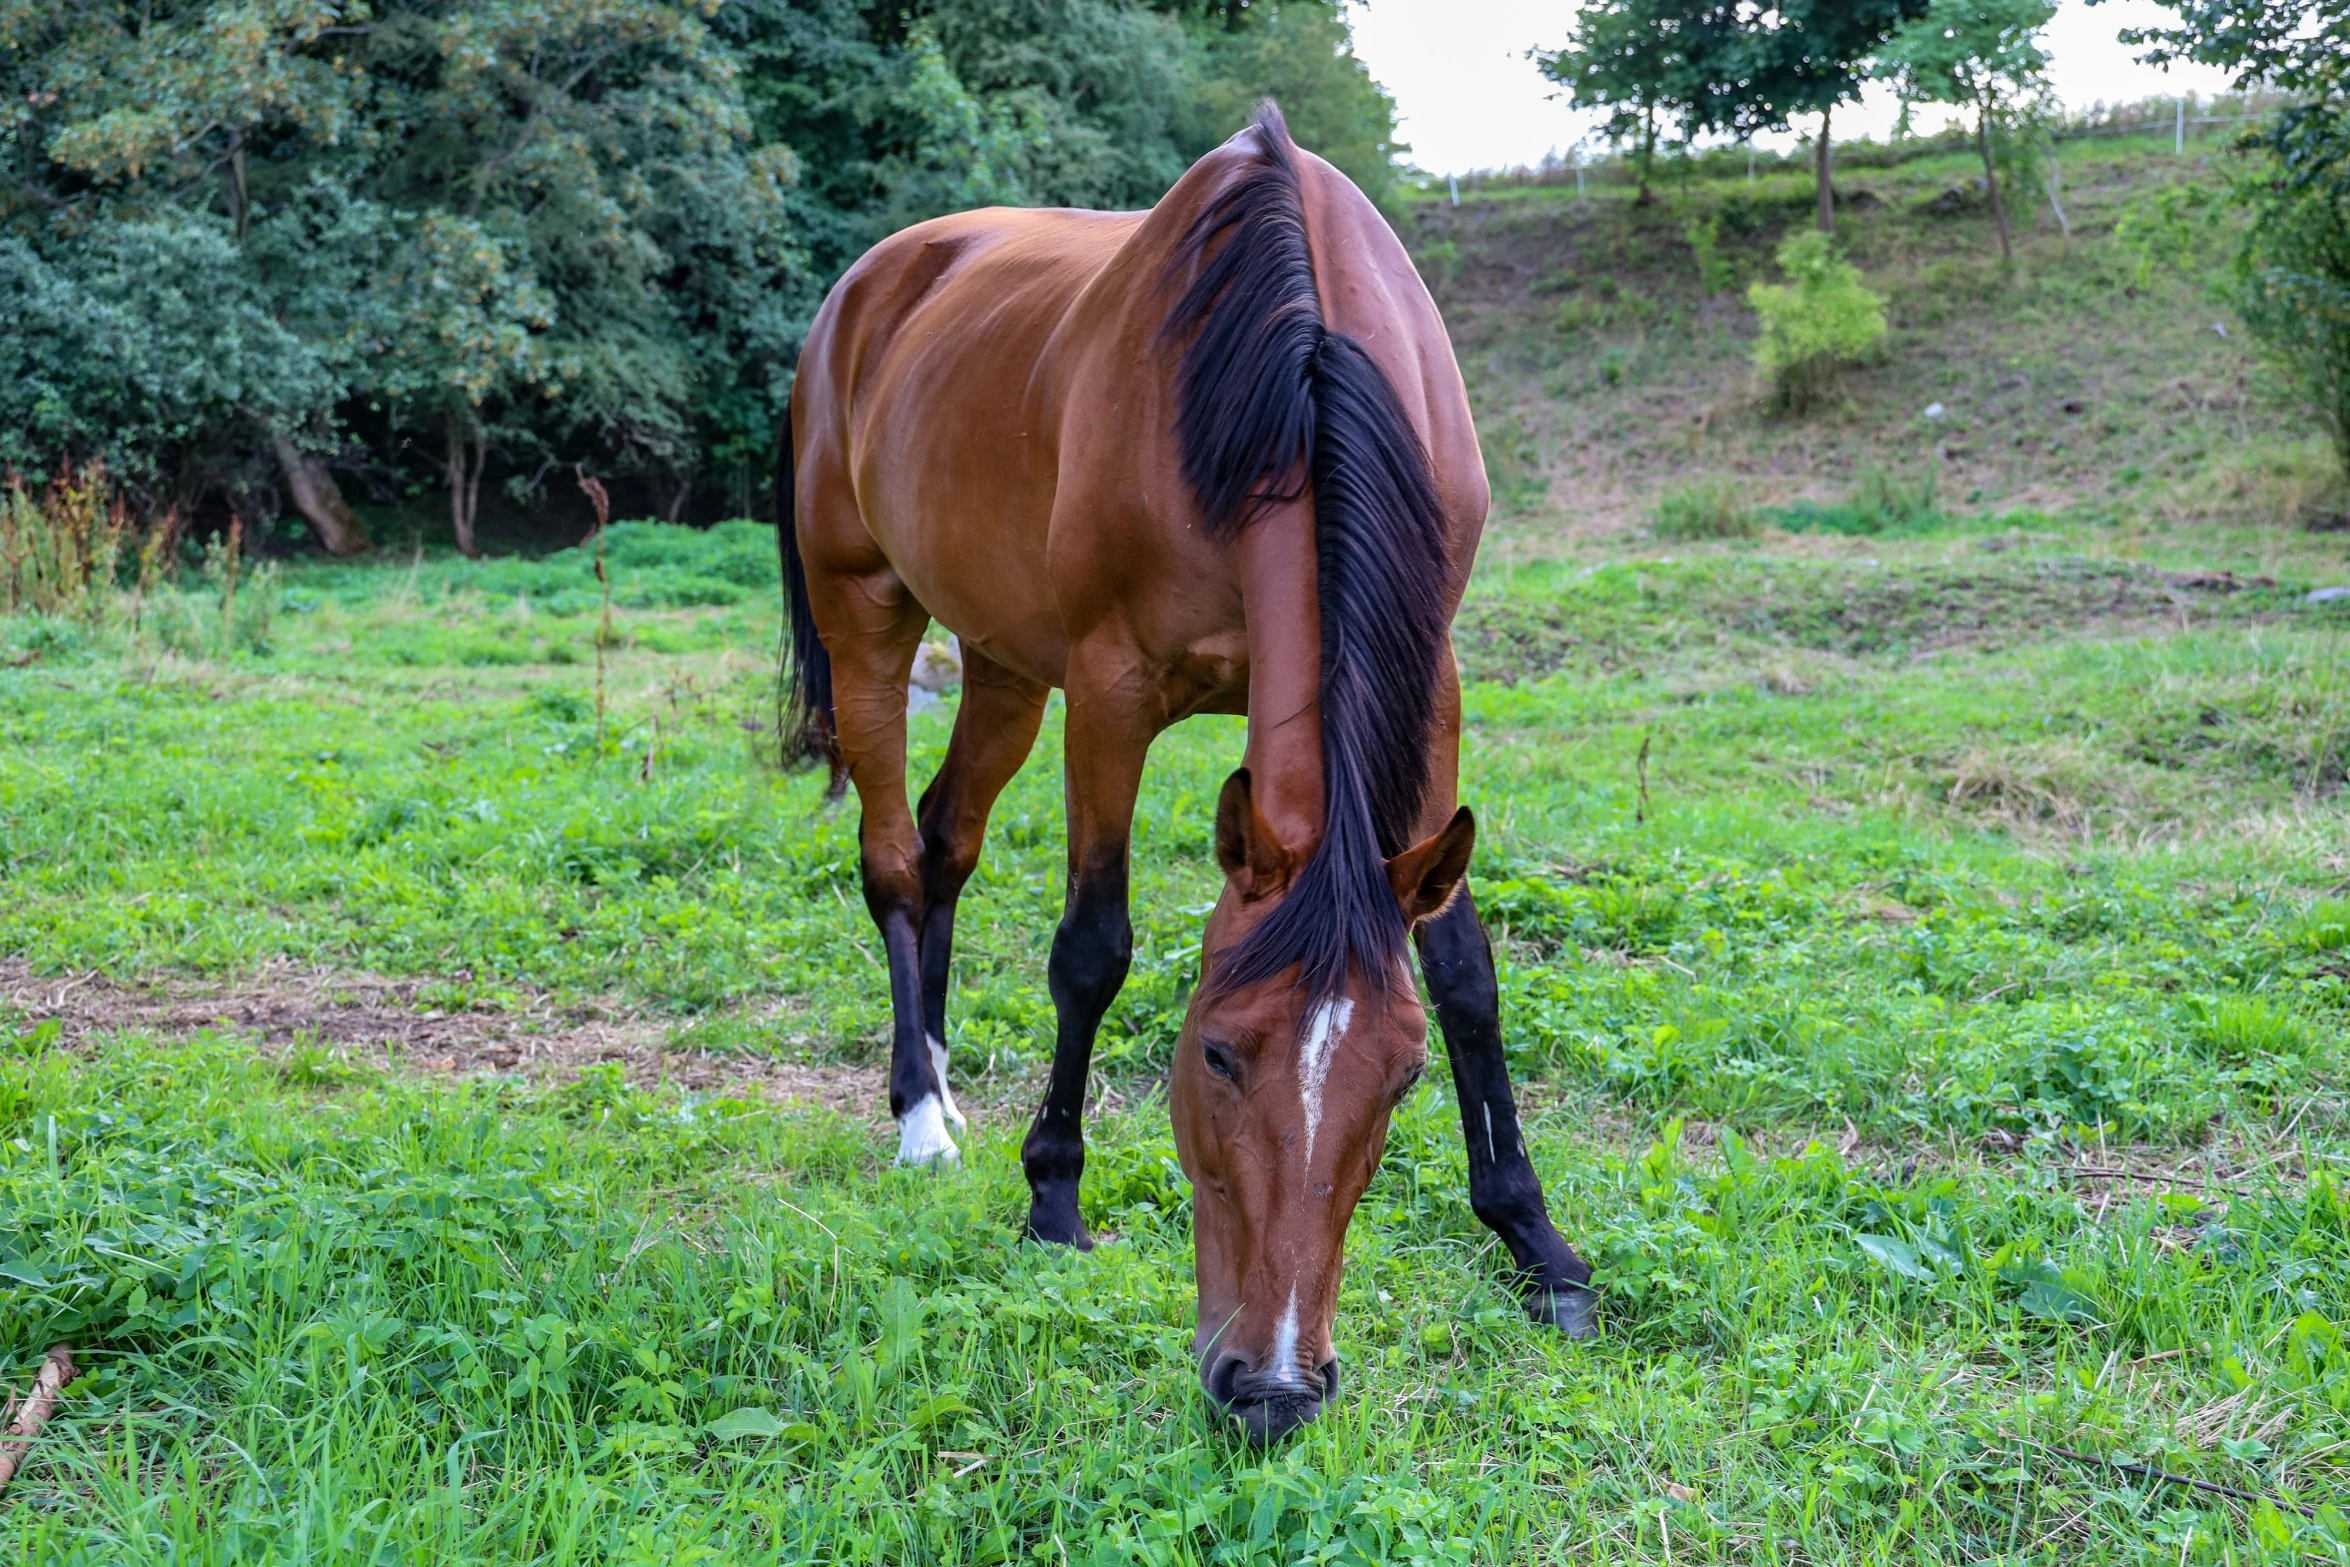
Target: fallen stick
[
  {"x": 2149, "y": 1472},
  {"x": 56, "y": 1371}
]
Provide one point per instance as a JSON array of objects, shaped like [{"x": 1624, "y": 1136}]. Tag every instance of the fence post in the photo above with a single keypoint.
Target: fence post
[
  {"x": 1454, "y": 180},
  {"x": 2179, "y": 140},
  {"x": 1578, "y": 176}
]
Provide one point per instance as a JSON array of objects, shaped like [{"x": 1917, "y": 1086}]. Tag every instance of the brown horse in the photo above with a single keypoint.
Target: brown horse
[{"x": 1214, "y": 457}]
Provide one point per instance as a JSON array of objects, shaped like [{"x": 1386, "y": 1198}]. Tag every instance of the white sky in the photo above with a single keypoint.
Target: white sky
[{"x": 1470, "y": 99}]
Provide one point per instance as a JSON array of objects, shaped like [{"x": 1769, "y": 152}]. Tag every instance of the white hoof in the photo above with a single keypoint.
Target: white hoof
[
  {"x": 938, "y": 1064},
  {"x": 922, "y": 1136}
]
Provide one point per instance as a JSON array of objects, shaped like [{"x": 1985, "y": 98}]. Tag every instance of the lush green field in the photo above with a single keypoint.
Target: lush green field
[{"x": 1964, "y": 866}]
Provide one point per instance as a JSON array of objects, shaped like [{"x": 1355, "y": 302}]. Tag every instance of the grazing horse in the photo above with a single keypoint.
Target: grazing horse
[{"x": 1214, "y": 457}]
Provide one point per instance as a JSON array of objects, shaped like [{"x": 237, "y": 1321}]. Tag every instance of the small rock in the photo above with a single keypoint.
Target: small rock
[
  {"x": 2221, "y": 327},
  {"x": 2071, "y": 405},
  {"x": 2328, "y": 595},
  {"x": 938, "y": 667},
  {"x": 1935, "y": 410}
]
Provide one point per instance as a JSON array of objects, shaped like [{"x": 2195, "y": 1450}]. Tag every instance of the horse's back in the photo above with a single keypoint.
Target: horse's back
[{"x": 926, "y": 414}]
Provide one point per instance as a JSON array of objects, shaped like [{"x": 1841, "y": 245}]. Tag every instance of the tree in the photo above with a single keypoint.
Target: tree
[
  {"x": 146, "y": 347},
  {"x": 2292, "y": 267},
  {"x": 544, "y": 220},
  {"x": 487, "y": 239},
  {"x": 1302, "y": 56},
  {"x": 1979, "y": 54},
  {"x": 1652, "y": 64},
  {"x": 1812, "y": 58}
]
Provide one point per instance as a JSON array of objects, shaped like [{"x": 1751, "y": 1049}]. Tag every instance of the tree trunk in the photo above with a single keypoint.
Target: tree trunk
[
  {"x": 1647, "y": 156},
  {"x": 676, "y": 507},
  {"x": 1827, "y": 190},
  {"x": 238, "y": 205},
  {"x": 319, "y": 499},
  {"x": 1991, "y": 181},
  {"x": 468, "y": 450}
]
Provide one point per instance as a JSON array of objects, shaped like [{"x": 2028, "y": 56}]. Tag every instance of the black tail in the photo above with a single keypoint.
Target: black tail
[
  {"x": 804, "y": 706},
  {"x": 1269, "y": 403}
]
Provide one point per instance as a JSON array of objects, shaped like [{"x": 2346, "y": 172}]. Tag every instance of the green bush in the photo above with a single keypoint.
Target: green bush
[
  {"x": 1821, "y": 319},
  {"x": 1708, "y": 509}
]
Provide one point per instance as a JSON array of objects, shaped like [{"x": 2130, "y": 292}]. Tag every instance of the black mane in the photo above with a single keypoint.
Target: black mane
[{"x": 1271, "y": 405}]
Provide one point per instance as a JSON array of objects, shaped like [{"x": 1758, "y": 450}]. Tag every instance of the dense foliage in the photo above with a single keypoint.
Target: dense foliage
[
  {"x": 436, "y": 241},
  {"x": 1821, "y": 318},
  {"x": 1714, "y": 65},
  {"x": 2293, "y": 267},
  {"x": 1982, "y": 55}
]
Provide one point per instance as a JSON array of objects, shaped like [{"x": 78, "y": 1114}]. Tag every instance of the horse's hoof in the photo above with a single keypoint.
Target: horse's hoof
[
  {"x": 1056, "y": 1230},
  {"x": 922, "y": 1136},
  {"x": 1570, "y": 1308}
]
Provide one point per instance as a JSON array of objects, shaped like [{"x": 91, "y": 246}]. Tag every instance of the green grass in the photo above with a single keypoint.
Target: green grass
[{"x": 1952, "y": 870}]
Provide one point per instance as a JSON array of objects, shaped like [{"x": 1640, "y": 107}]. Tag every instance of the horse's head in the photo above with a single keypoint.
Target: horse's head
[{"x": 1280, "y": 1105}]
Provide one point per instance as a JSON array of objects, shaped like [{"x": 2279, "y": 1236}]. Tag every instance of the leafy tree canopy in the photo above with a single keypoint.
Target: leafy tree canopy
[
  {"x": 434, "y": 238},
  {"x": 1983, "y": 55}
]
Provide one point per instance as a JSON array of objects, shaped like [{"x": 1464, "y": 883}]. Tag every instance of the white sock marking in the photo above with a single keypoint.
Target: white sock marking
[
  {"x": 1313, "y": 1064},
  {"x": 1490, "y": 1156},
  {"x": 922, "y": 1135},
  {"x": 1284, "y": 1357},
  {"x": 938, "y": 1064}
]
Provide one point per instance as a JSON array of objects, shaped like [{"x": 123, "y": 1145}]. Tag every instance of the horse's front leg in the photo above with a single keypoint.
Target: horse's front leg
[
  {"x": 1504, "y": 1191},
  {"x": 1106, "y": 741}
]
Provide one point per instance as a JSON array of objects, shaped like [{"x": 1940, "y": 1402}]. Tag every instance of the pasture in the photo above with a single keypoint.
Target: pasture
[{"x": 446, "y": 1110}]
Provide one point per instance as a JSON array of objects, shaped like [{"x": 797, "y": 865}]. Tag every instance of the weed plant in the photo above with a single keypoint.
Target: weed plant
[
  {"x": 1707, "y": 509},
  {"x": 60, "y": 546}
]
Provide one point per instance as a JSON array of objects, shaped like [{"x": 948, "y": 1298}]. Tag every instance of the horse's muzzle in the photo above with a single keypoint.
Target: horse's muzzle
[{"x": 1268, "y": 1405}]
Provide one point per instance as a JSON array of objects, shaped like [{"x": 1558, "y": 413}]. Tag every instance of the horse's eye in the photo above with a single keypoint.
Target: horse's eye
[
  {"x": 1220, "y": 1062},
  {"x": 1411, "y": 1081}
]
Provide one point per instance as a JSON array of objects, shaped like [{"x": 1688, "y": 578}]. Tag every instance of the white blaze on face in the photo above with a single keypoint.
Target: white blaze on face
[
  {"x": 922, "y": 1135},
  {"x": 1313, "y": 1066},
  {"x": 1284, "y": 1354}
]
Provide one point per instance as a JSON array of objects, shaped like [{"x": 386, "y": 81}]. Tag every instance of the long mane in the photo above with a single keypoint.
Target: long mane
[{"x": 1272, "y": 405}]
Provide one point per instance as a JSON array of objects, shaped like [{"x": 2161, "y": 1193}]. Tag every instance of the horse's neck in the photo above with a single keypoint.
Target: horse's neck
[{"x": 1274, "y": 557}]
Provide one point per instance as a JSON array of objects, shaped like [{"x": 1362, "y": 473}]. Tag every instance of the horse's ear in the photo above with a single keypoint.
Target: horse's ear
[
  {"x": 1245, "y": 845},
  {"x": 1426, "y": 875}
]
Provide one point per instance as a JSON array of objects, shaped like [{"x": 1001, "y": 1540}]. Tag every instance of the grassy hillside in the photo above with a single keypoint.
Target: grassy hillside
[{"x": 1606, "y": 370}]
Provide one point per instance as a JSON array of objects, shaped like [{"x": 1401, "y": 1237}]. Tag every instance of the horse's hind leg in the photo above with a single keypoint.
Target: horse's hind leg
[
  {"x": 994, "y": 730},
  {"x": 873, "y": 627}
]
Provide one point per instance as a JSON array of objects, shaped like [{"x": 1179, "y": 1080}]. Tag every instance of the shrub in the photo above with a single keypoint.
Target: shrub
[
  {"x": 1708, "y": 509},
  {"x": 1879, "y": 502},
  {"x": 1715, "y": 271},
  {"x": 59, "y": 551},
  {"x": 1821, "y": 319},
  {"x": 2293, "y": 291}
]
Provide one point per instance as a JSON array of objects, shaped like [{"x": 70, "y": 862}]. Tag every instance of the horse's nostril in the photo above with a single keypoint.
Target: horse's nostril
[
  {"x": 1330, "y": 1380},
  {"x": 1223, "y": 1378}
]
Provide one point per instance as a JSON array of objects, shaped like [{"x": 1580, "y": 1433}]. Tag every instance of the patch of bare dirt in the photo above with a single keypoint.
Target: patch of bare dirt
[{"x": 382, "y": 1022}]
